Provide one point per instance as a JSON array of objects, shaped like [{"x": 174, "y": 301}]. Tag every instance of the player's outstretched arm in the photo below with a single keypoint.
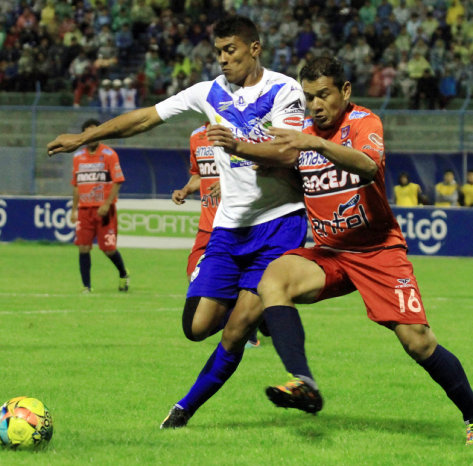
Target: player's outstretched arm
[
  {"x": 263, "y": 153},
  {"x": 122, "y": 126}
]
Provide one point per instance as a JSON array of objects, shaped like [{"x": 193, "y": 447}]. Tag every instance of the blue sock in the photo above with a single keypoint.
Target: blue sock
[
  {"x": 287, "y": 332},
  {"x": 218, "y": 369},
  {"x": 447, "y": 371},
  {"x": 84, "y": 265},
  {"x": 117, "y": 260}
]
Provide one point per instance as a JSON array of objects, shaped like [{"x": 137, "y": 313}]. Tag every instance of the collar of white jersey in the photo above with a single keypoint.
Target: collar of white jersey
[{"x": 235, "y": 87}]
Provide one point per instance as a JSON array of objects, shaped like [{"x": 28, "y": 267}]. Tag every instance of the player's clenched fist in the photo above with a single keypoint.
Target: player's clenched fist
[{"x": 65, "y": 143}]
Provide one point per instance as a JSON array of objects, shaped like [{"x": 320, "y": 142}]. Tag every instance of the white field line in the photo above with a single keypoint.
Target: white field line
[
  {"x": 7, "y": 294},
  {"x": 72, "y": 311}
]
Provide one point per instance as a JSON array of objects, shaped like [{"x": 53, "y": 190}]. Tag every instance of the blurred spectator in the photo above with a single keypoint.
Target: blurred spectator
[
  {"x": 75, "y": 32},
  {"x": 384, "y": 9},
  {"x": 455, "y": 10},
  {"x": 199, "y": 52},
  {"x": 402, "y": 13},
  {"x": 129, "y": 94},
  {"x": 367, "y": 12},
  {"x": 179, "y": 82},
  {"x": 26, "y": 69},
  {"x": 413, "y": 24},
  {"x": 48, "y": 16},
  {"x": 141, "y": 15},
  {"x": 408, "y": 194},
  {"x": 430, "y": 23},
  {"x": 104, "y": 94},
  {"x": 467, "y": 190},
  {"x": 364, "y": 71},
  {"x": 87, "y": 84},
  {"x": 347, "y": 56},
  {"x": 107, "y": 57},
  {"x": 448, "y": 86},
  {"x": 427, "y": 90},
  {"x": 102, "y": 17},
  {"x": 447, "y": 191},
  {"x": 305, "y": 39},
  {"x": 27, "y": 20},
  {"x": 124, "y": 43},
  {"x": 115, "y": 94}
]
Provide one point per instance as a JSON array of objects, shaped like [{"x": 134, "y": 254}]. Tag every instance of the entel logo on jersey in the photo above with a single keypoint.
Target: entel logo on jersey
[
  {"x": 425, "y": 230},
  {"x": 58, "y": 219},
  {"x": 338, "y": 223}
]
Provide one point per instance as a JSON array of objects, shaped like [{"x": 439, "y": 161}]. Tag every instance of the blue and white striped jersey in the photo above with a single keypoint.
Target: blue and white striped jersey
[{"x": 276, "y": 100}]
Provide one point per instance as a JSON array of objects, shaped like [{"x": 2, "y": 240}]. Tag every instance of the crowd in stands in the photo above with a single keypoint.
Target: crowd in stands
[{"x": 421, "y": 50}]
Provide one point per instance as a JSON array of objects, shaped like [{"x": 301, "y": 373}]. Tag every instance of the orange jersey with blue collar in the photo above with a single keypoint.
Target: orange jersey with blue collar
[
  {"x": 345, "y": 211},
  {"x": 203, "y": 164},
  {"x": 94, "y": 174}
]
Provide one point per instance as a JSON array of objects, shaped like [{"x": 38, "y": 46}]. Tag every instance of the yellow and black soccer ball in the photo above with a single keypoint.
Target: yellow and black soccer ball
[{"x": 25, "y": 423}]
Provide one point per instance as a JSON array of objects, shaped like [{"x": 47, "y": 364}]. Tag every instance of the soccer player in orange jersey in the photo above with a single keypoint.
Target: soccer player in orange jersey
[
  {"x": 204, "y": 177},
  {"x": 96, "y": 178},
  {"x": 358, "y": 242}
]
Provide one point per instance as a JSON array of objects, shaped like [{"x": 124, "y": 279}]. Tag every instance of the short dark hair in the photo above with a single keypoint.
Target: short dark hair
[
  {"x": 324, "y": 66},
  {"x": 240, "y": 26},
  {"x": 90, "y": 122}
]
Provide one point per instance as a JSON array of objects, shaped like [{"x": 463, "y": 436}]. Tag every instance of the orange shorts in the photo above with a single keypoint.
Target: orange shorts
[
  {"x": 90, "y": 225},
  {"x": 201, "y": 240},
  {"x": 384, "y": 278}
]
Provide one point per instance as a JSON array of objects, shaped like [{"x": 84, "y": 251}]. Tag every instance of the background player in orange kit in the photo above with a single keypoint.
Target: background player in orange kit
[
  {"x": 204, "y": 177},
  {"x": 358, "y": 242},
  {"x": 96, "y": 177}
]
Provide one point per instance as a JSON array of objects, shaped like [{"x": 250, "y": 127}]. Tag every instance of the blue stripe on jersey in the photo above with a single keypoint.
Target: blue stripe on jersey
[
  {"x": 107, "y": 151},
  {"x": 219, "y": 99}
]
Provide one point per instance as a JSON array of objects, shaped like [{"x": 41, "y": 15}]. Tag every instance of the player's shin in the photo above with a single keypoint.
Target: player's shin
[
  {"x": 218, "y": 369},
  {"x": 445, "y": 368}
]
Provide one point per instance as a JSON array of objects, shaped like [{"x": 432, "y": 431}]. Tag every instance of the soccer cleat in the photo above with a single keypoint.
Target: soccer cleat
[
  {"x": 176, "y": 418},
  {"x": 124, "y": 282},
  {"x": 252, "y": 344},
  {"x": 469, "y": 434},
  {"x": 86, "y": 290},
  {"x": 296, "y": 394}
]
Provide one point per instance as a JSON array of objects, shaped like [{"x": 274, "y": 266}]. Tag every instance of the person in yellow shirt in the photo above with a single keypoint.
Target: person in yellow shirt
[
  {"x": 447, "y": 192},
  {"x": 408, "y": 194},
  {"x": 467, "y": 190}
]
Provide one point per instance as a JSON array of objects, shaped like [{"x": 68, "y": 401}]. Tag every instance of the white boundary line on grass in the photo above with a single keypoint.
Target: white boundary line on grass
[
  {"x": 98, "y": 294},
  {"x": 71, "y": 311}
]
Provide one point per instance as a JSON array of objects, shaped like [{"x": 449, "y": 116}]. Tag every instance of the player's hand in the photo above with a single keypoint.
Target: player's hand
[
  {"x": 103, "y": 210},
  {"x": 214, "y": 189},
  {"x": 290, "y": 139},
  {"x": 179, "y": 196},
  {"x": 221, "y": 136},
  {"x": 65, "y": 143}
]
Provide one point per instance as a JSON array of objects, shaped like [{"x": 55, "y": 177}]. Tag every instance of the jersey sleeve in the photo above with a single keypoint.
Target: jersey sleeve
[
  {"x": 114, "y": 168},
  {"x": 74, "y": 169},
  {"x": 194, "y": 168},
  {"x": 289, "y": 107},
  {"x": 192, "y": 98},
  {"x": 369, "y": 138}
]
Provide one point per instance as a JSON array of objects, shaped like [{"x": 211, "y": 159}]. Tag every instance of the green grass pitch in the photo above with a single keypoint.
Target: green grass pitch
[{"x": 110, "y": 365}]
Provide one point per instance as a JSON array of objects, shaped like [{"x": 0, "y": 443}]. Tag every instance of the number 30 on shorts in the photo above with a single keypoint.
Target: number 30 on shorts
[{"x": 412, "y": 302}]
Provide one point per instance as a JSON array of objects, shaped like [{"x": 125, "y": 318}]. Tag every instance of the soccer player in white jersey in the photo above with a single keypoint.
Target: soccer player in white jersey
[{"x": 258, "y": 219}]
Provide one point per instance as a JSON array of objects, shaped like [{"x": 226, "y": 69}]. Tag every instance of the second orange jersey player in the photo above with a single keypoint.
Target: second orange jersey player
[{"x": 204, "y": 177}]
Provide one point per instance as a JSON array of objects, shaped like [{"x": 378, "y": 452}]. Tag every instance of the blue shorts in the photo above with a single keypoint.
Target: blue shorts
[{"x": 236, "y": 258}]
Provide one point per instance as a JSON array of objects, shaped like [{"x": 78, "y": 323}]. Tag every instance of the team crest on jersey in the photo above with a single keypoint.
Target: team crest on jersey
[
  {"x": 357, "y": 115},
  {"x": 345, "y": 131},
  {"x": 236, "y": 162},
  {"x": 241, "y": 101},
  {"x": 347, "y": 205},
  {"x": 307, "y": 123}
]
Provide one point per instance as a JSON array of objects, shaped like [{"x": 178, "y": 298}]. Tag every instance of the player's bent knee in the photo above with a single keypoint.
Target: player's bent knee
[
  {"x": 188, "y": 314},
  {"x": 272, "y": 281}
]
